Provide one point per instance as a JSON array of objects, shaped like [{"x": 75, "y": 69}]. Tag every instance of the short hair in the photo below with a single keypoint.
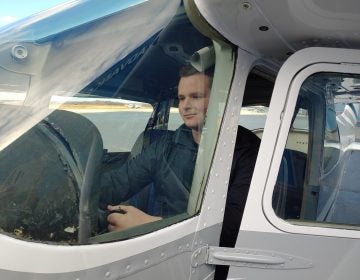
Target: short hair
[{"x": 189, "y": 70}]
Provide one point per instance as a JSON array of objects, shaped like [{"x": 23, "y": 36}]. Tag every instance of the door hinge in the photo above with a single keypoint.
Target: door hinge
[
  {"x": 199, "y": 256},
  {"x": 248, "y": 258}
]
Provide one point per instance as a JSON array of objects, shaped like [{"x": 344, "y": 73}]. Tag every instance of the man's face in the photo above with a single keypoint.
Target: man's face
[{"x": 194, "y": 94}]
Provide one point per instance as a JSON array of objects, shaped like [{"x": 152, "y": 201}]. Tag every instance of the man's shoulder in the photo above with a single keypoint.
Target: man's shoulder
[{"x": 160, "y": 135}]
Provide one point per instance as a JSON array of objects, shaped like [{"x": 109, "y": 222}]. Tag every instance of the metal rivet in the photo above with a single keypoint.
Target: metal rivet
[
  {"x": 107, "y": 274},
  {"x": 128, "y": 267},
  {"x": 146, "y": 262},
  {"x": 162, "y": 255},
  {"x": 263, "y": 28},
  {"x": 246, "y": 6}
]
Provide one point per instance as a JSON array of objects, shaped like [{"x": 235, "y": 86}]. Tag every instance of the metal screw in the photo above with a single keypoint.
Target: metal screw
[{"x": 19, "y": 52}]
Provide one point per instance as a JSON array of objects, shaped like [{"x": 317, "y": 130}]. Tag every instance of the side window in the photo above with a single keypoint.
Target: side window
[
  {"x": 298, "y": 138},
  {"x": 174, "y": 118},
  {"x": 288, "y": 191},
  {"x": 253, "y": 117},
  {"x": 317, "y": 180},
  {"x": 108, "y": 115}
]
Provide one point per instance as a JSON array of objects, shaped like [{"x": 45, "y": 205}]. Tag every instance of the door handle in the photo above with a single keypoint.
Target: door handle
[
  {"x": 255, "y": 258},
  {"x": 248, "y": 258}
]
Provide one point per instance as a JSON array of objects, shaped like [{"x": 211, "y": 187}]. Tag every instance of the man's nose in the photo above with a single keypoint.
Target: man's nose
[{"x": 186, "y": 103}]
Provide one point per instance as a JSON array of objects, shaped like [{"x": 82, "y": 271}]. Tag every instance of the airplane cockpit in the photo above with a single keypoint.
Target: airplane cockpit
[{"x": 183, "y": 139}]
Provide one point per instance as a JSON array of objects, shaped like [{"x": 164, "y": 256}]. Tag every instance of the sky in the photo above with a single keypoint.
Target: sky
[{"x": 12, "y": 10}]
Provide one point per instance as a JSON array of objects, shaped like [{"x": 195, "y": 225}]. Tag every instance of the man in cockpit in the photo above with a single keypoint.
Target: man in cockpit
[{"x": 169, "y": 162}]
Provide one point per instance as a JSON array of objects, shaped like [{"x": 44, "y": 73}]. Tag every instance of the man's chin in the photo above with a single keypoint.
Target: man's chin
[{"x": 193, "y": 126}]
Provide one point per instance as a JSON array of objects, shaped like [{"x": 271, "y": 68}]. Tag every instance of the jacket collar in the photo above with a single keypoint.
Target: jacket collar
[{"x": 183, "y": 136}]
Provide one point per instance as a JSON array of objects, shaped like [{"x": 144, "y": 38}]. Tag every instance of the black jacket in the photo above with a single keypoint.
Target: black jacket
[{"x": 168, "y": 163}]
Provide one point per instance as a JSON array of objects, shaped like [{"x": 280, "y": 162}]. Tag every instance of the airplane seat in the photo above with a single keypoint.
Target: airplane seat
[
  {"x": 287, "y": 197},
  {"x": 339, "y": 197},
  {"x": 72, "y": 125},
  {"x": 85, "y": 142},
  {"x": 146, "y": 198},
  {"x": 46, "y": 173}
]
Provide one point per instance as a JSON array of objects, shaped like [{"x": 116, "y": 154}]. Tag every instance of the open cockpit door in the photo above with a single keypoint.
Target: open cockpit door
[{"x": 302, "y": 214}]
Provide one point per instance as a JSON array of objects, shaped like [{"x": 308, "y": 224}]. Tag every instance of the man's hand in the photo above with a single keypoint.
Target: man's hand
[{"x": 132, "y": 217}]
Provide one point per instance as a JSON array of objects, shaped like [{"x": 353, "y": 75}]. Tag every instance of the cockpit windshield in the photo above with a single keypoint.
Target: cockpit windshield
[{"x": 82, "y": 94}]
